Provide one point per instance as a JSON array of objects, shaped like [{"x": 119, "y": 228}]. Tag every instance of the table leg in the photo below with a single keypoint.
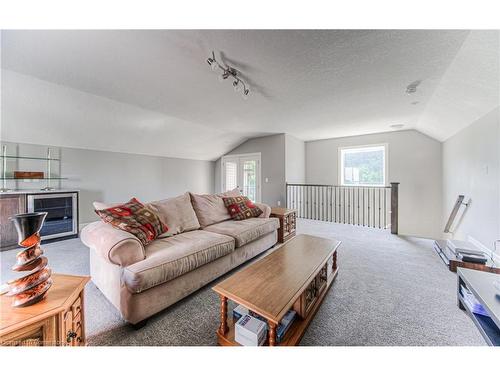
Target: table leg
[
  {"x": 223, "y": 328},
  {"x": 272, "y": 333}
]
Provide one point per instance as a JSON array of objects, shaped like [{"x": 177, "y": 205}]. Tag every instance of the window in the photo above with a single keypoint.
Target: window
[{"x": 363, "y": 166}]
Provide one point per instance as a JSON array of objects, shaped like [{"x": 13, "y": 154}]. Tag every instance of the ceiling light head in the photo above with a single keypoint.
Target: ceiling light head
[
  {"x": 246, "y": 92},
  {"x": 223, "y": 76},
  {"x": 412, "y": 87},
  {"x": 237, "y": 86}
]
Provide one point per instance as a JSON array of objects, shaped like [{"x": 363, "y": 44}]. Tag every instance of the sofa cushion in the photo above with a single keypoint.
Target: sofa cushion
[
  {"x": 172, "y": 257},
  {"x": 177, "y": 213},
  {"x": 210, "y": 208},
  {"x": 245, "y": 231}
]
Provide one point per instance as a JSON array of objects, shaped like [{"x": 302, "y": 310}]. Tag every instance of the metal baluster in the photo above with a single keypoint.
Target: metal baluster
[
  {"x": 330, "y": 205},
  {"x": 385, "y": 208},
  {"x": 351, "y": 205},
  {"x": 302, "y": 201},
  {"x": 313, "y": 201},
  {"x": 309, "y": 197},
  {"x": 325, "y": 203},
  {"x": 316, "y": 211},
  {"x": 379, "y": 208},
  {"x": 373, "y": 210},
  {"x": 348, "y": 205},
  {"x": 363, "y": 204},
  {"x": 321, "y": 189},
  {"x": 307, "y": 202},
  {"x": 357, "y": 221},
  {"x": 343, "y": 205},
  {"x": 318, "y": 199},
  {"x": 368, "y": 207},
  {"x": 294, "y": 195}
]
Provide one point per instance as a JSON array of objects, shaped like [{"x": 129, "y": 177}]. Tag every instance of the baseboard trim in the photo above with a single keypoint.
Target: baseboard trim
[{"x": 487, "y": 251}]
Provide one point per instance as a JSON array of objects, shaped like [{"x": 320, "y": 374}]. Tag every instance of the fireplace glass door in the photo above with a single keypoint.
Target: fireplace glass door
[{"x": 61, "y": 211}]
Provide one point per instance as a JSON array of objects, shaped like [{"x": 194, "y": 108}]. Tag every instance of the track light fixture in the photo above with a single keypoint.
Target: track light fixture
[
  {"x": 228, "y": 71},
  {"x": 412, "y": 87}
]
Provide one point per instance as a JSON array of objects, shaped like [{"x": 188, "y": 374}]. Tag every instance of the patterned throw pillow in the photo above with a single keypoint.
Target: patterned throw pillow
[
  {"x": 241, "y": 208},
  {"x": 135, "y": 218}
]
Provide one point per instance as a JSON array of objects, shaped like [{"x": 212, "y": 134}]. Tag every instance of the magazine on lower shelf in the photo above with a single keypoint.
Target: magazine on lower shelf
[{"x": 472, "y": 303}]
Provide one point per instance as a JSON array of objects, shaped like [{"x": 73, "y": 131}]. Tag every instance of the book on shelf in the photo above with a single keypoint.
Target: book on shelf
[
  {"x": 283, "y": 326},
  {"x": 239, "y": 311},
  {"x": 250, "y": 331},
  {"x": 285, "y": 323}
]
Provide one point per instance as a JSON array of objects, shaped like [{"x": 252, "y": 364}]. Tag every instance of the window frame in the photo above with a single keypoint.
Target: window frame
[{"x": 385, "y": 173}]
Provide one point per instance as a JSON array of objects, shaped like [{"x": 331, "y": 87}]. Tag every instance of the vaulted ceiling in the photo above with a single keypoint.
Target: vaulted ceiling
[{"x": 152, "y": 92}]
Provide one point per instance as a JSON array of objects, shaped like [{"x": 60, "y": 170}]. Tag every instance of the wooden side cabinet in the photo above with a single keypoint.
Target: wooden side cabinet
[
  {"x": 58, "y": 320},
  {"x": 288, "y": 222},
  {"x": 10, "y": 205}
]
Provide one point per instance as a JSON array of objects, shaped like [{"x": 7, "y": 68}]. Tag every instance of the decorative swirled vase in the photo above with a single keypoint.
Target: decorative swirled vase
[{"x": 31, "y": 287}]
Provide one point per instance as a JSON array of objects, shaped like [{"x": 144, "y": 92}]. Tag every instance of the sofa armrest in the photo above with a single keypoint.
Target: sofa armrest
[
  {"x": 114, "y": 245},
  {"x": 266, "y": 210}
]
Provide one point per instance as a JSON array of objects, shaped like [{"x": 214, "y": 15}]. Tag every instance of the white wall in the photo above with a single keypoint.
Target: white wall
[
  {"x": 113, "y": 176},
  {"x": 471, "y": 161},
  {"x": 272, "y": 149},
  {"x": 414, "y": 162},
  {"x": 295, "y": 160}
]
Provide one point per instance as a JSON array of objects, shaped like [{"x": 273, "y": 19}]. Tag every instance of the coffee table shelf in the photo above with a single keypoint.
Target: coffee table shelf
[{"x": 305, "y": 265}]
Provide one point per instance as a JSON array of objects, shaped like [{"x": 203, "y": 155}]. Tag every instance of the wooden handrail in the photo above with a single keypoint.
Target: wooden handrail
[{"x": 344, "y": 186}]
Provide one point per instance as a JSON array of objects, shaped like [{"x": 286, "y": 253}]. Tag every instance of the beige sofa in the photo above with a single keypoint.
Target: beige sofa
[{"x": 203, "y": 244}]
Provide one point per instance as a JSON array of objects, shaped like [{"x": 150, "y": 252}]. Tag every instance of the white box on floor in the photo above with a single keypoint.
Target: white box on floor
[{"x": 250, "y": 331}]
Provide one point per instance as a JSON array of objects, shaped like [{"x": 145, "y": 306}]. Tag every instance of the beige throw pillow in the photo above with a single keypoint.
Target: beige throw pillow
[
  {"x": 177, "y": 213},
  {"x": 210, "y": 208}
]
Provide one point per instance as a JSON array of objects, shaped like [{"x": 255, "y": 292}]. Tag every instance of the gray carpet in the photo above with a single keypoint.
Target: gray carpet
[{"x": 390, "y": 291}]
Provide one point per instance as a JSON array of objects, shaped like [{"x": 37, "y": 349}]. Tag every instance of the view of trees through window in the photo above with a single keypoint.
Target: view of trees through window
[{"x": 363, "y": 166}]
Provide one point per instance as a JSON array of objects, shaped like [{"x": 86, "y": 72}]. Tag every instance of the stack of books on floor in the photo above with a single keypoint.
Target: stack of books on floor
[
  {"x": 472, "y": 303},
  {"x": 251, "y": 328}
]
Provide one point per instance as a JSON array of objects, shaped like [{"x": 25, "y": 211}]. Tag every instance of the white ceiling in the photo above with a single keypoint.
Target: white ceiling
[{"x": 152, "y": 92}]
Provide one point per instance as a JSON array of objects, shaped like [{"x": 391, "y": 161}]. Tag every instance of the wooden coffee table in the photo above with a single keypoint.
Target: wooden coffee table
[{"x": 296, "y": 276}]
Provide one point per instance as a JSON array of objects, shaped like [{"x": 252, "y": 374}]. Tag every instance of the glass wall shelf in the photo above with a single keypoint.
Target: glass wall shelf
[
  {"x": 33, "y": 179},
  {"x": 27, "y": 157}
]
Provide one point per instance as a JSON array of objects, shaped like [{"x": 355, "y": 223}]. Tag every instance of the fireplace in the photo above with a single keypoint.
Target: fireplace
[{"x": 62, "y": 213}]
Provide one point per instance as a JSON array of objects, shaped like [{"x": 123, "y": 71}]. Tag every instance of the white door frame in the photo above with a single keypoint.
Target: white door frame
[{"x": 254, "y": 155}]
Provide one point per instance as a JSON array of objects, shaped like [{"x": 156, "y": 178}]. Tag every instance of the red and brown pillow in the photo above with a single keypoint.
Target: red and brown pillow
[
  {"x": 135, "y": 218},
  {"x": 241, "y": 208}
]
